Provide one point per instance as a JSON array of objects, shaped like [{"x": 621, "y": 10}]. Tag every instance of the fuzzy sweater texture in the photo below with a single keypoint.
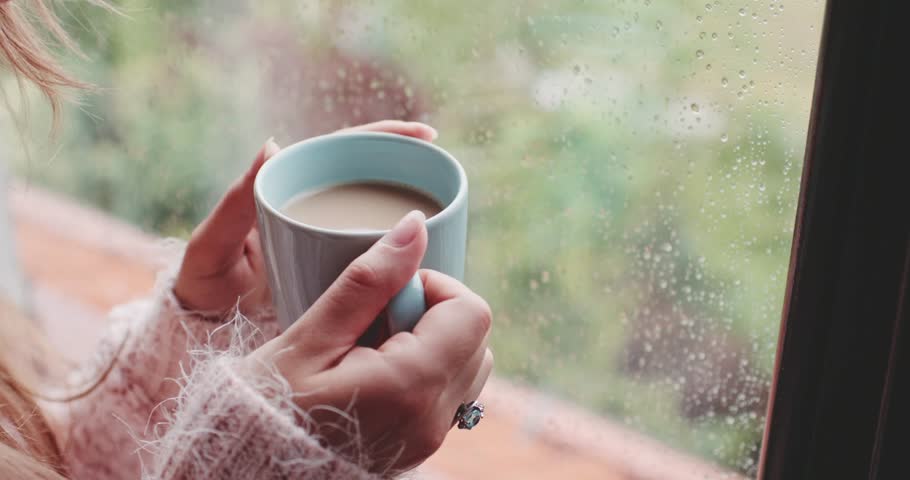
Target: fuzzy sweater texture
[{"x": 178, "y": 404}]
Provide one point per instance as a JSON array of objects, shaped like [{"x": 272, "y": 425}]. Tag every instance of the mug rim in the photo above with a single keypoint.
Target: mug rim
[{"x": 448, "y": 210}]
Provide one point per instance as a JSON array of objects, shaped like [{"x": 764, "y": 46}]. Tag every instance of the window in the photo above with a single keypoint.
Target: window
[{"x": 634, "y": 169}]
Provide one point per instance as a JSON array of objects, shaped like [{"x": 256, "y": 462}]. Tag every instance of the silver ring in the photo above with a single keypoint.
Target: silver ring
[{"x": 469, "y": 415}]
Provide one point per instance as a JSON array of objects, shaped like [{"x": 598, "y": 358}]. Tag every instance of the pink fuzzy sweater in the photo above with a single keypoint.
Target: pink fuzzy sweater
[{"x": 178, "y": 405}]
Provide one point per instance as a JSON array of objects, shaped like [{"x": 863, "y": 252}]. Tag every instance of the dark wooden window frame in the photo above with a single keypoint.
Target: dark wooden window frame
[{"x": 840, "y": 403}]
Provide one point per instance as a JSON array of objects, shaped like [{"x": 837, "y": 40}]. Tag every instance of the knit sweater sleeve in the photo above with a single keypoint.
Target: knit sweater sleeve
[
  {"x": 225, "y": 428},
  {"x": 171, "y": 403}
]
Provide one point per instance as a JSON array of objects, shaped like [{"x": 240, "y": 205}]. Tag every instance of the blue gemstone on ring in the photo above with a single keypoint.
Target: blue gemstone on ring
[{"x": 470, "y": 415}]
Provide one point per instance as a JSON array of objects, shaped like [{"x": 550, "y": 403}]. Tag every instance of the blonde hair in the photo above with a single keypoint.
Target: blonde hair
[
  {"x": 27, "y": 445},
  {"x": 28, "y": 29}
]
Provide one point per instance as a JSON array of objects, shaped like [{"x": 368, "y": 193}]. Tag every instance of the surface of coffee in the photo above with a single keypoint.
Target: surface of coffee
[{"x": 359, "y": 206}]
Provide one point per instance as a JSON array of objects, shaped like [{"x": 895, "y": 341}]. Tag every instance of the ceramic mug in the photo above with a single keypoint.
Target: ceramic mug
[{"x": 303, "y": 260}]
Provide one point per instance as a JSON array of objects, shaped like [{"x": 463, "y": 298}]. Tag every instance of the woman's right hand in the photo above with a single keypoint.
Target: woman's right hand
[{"x": 404, "y": 394}]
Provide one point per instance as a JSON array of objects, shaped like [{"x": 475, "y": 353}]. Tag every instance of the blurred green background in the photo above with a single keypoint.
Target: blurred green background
[{"x": 634, "y": 165}]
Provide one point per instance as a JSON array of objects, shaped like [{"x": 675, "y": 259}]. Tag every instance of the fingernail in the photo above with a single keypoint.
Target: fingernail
[
  {"x": 434, "y": 135},
  {"x": 406, "y": 230},
  {"x": 271, "y": 148}
]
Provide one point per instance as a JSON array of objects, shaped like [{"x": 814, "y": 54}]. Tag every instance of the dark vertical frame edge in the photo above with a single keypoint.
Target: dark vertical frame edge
[{"x": 839, "y": 399}]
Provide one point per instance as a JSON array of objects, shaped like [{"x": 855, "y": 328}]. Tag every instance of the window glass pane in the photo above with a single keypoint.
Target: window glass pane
[{"x": 634, "y": 169}]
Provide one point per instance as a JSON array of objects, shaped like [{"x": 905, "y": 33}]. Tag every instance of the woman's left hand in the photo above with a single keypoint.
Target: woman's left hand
[{"x": 223, "y": 266}]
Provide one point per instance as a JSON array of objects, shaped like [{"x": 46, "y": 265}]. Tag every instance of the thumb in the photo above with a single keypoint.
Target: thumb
[
  {"x": 345, "y": 311},
  {"x": 219, "y": 238}
]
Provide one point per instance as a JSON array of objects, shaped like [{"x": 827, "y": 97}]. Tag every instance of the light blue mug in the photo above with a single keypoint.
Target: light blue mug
[{"x": 303, "y": 260}]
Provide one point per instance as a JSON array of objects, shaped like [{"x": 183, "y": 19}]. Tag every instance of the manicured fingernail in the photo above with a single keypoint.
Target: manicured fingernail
[
  {"x": 271, "y": 148},
  {"x": 406, "y": 230},
  {"x": 434, "y": 134}
]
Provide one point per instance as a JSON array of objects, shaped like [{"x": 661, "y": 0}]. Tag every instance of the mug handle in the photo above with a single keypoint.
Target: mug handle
[{"x": 406, "y": 307}]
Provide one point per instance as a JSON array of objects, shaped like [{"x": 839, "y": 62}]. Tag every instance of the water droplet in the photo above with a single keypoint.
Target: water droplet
[
  {"x": 698, "y": 19},
  {"x": 667, "y": 247},
  {"x": 694, "y": 107},
  {"x": 714, "y": 36},
  {"x": 660, "y": 25},
  {"x": 723, "y": 138},
  {"x": 708, "y": 67},
  {"x": 742, "y": 74},
  {"x": 742, "y": 12},
  {"x": 576, "y": 69},
  {"x": 708, "y": 7},
  {"x": 699, "y": 54},
  {"x": 724, "y": 82}
]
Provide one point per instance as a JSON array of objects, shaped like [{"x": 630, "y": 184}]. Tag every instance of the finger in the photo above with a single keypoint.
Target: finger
[
  {"x": 470, "y": 382},
  {"x": 253, "y": 253},
  {"x": 455, "y": 327},
  {"x": 260, "y": 296},
  {"x": 219, "y": 239},
  {"x": 344, "y": 312},
  {"x": 410, "y": 129},
  {"x": 463, "y": 378},
  {"x": 439, "y": 287},
  {"x": 480, "y": 381}
]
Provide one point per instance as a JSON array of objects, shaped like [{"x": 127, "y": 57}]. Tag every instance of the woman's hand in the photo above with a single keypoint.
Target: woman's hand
[
  {"x": 223, "y": 266},
  {"x": 403, "y": 395}
]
